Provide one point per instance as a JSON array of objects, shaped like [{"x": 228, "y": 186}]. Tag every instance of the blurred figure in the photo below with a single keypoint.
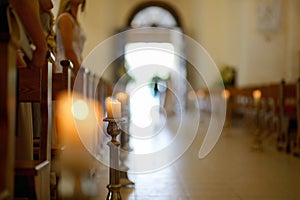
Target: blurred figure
[
  {"x": 155, "y": 81},
  {"x": 70, "y": 37},
  {"x": 47, "y": 20},
  {"x": 34, "y": 30},
  {"x": 33, "y": 25},
  {"x": 159, "y": 91}
]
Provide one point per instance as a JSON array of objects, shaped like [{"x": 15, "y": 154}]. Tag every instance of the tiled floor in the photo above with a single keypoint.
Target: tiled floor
[{"x": 233, "y": 170}]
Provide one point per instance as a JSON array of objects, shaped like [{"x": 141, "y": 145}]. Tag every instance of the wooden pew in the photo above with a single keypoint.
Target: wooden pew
[
  {"x": 86, "y": 85},
  {"x": 84, "y": 88},
  {"x": 8, "y": 51},
  {"x": 241, "y": 103},
  {"x": 244, "y": 105},
  {"x": 276, "y": 111},
  {"x": 288, "y": 116},
  {"x": 267, "y": 114},
  {"x": 296, "y": 145},
  {"x": 270, "y": 107},
  {"x": 32, "y": 177},
  {"x": 61, "y": 82}
]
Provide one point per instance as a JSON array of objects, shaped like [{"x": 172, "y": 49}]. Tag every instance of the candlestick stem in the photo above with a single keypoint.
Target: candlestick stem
[{"x": 114, "y": 148}]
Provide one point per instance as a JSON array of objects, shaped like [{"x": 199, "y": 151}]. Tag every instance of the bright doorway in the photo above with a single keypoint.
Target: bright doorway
[{"x": 150, "y": 65}]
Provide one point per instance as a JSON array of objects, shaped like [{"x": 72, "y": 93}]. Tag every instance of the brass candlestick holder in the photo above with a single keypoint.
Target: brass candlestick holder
[
  {"x": 257, "y": 143},
  {"x": 114, "y": 147}
]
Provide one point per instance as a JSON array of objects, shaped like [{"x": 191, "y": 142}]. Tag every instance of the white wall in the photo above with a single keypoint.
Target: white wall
[
  {"x": 293, "y": 42},
  {"x": 228, "y": 30}
]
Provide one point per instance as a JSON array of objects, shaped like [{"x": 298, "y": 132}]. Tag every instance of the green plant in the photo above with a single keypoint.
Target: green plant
[{"x": 228, "y": 75}]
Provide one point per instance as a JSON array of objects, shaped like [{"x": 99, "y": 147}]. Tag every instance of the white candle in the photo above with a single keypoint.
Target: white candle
[
  {"x": 123, "y": 98},
  {"x": 113, "y": 108}
]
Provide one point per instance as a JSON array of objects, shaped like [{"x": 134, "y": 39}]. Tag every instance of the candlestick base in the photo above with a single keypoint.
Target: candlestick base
[
  {"x": 124, "y": 180},
  {"x": 257, "y": 142},
  {"x": 113, "y": 192}
]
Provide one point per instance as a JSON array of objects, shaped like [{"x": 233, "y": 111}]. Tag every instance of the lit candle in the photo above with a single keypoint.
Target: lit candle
[
  {"x": 201, "y": 93},
  {"x": 226, "y": 94},
  {"x": 123, "y": 98},
  {"x": 113, "y": 108},
  {"x": 256, "y": 96},
  {"x": 192, "y": 95}
]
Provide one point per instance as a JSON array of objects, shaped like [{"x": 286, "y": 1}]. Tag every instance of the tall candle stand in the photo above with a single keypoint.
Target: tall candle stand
[
  {"x": 114, "y": 147},
  {"x": 257, "y": 144}
]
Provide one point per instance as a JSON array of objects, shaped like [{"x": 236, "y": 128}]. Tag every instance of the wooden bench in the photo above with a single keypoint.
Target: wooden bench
[
  {"x": 32, "y": 177},
  {"x": 296, "y": 144},
  {"x": 267, "y": 113},
  {"x": 61, "y": 82},
  {"x": 288, "y": 116},
  {"x": 276, "y": 111}
]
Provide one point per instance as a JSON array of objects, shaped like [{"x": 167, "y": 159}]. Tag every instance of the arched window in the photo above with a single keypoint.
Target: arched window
[{"x": 154, "y": 16}]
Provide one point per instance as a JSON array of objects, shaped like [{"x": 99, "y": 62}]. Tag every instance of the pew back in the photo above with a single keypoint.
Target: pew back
[{"x": 35, "y": 85}]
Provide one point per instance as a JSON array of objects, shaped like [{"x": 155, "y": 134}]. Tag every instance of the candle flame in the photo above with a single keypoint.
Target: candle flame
[
  {"x": 256, "y": 94},
  {"x": 226, "y": 94}
]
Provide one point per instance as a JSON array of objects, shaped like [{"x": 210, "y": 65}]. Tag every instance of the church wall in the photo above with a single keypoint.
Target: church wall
[{"x": 227, "y": 29}]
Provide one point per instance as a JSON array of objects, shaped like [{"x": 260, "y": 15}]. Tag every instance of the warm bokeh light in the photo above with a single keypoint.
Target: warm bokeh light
[
  {"x": 201, "y": 94},
  {"x": 226, "y": 94},
  {"x": 78, "y": 122},
  {"x": 80, "y": 109},
  {"x": 256, "y": 94},
  {"x": 77, "y": 119},
  {"x": 192, "y": 95}
]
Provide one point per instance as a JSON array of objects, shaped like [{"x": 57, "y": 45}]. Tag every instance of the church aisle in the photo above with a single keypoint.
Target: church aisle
[{"x": 233, "y": 170}]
